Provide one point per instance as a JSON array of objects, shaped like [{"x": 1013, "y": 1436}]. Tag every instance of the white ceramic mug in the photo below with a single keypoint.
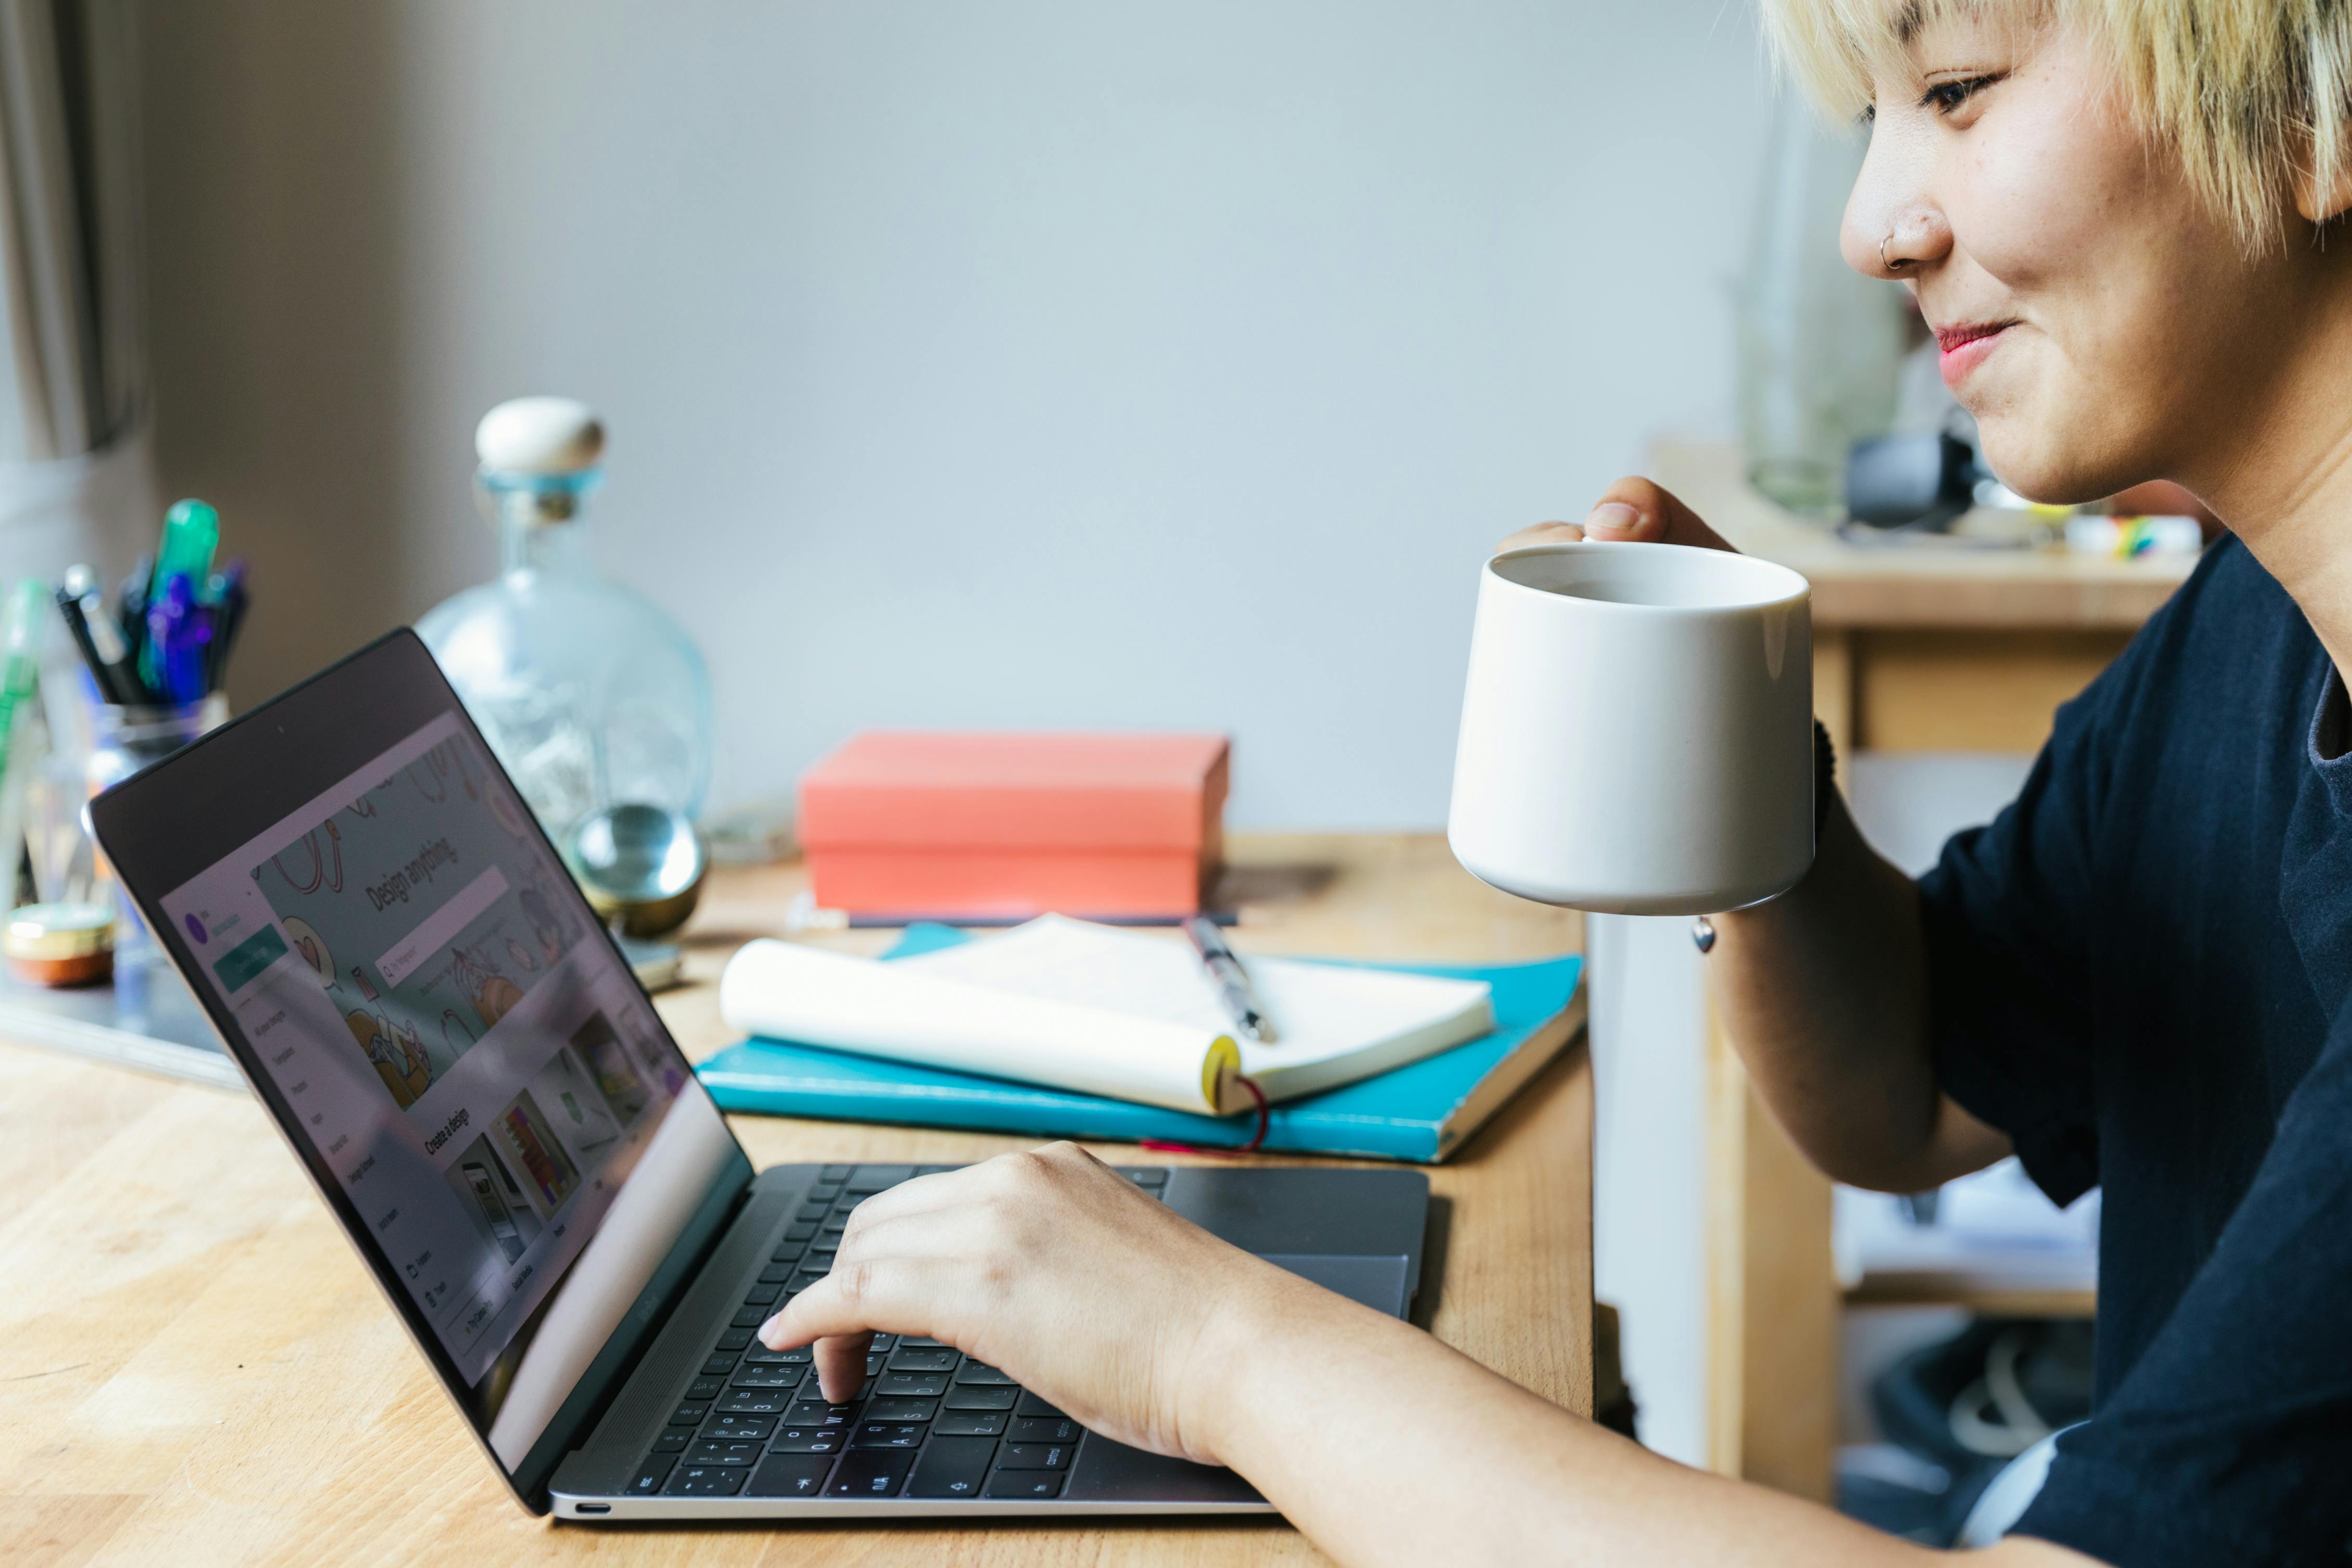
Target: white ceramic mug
[{"x": 1637, "y": 734}]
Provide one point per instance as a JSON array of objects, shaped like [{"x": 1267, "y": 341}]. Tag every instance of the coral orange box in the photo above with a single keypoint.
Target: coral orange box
[{"x": 948, "y": 824}]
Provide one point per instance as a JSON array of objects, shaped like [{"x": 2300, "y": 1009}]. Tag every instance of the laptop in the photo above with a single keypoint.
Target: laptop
[{"x": 459, "y": 1055}]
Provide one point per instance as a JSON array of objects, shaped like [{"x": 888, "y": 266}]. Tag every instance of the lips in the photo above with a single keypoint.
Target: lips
[{"x": 1964, "y": 346}]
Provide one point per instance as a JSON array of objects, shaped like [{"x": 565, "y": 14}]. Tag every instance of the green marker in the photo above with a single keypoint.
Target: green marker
[
  {"x": 191, "y": 535},
  {"x": 22, "y": 622}
]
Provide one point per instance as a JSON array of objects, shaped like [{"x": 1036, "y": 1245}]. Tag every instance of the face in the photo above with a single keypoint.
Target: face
[{"x": 2101, "y": 322}]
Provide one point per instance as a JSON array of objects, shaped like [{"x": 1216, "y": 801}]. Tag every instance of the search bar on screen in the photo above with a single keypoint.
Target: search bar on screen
[{"x": 440, "y": 929}]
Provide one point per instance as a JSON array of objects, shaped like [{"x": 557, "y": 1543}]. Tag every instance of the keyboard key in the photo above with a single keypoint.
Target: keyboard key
[
  {"x": 688, "y": 1414},
  {"x": 790, "y": 1475},
  {"x": 1025, "y": 1483},
  {"x": 817, "y": 1413},
  {"x": 951, "y": 1467},
  {"x": 911, "y": 1384},
  {"x": 836, "y": 1173},
  {"x": 969, "y": 1424},
  {"x": 825, "y": 1192},
  {"x": 763, "y": 1295},
  {"x": 705, "y": 1388},
  {"x": 812, "y": 1214},
  {"x": 785, "y": 1378},
  {"x": 821, "y": 1253},
  {"x": 800, "y": 1231},
  {"x": 803, "y": 1279},
  {"x": 1045, "y": 1429},
  {"x": 889, "y": 1435},
  {"x": 922, "y": 1358},
  {"x": 871, "y": 1472},
  {"x": 810, "y": 1440},
  {"x": 903, "y": 1410},
  {"x": 739, "y": 1428},
  {"x": 757, "y": 1402},
  {"x": 799, "y": 1355},
  {"x": 1035, "y": 1457},
  {"x": 876, "y": 1178},
  {"x": 734, "y": 1339},
  {"x": 650, "y": 1476},
  {"x": 715, "y": 1453},
  {"x": 706, "y": 1480},
  {"x": 982, "y": 1398},
  {"x": 1154, "y": 1175},
  {"x": 751, "y": 1317},
  {"x": 885, "y": 1341},
  {"x": 1031, "y": 1406},
  {"x": 925, "y": 1342},
  {"x": 975, "y": 1372},
  {"x": 673, "y": 1441},
  {"x": 779, "y": 1271},
  {"x": 719, "y": 1366}
]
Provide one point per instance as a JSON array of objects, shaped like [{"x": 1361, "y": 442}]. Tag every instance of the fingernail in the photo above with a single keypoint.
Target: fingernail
[
  {"x": 767, "y": 1336},
  {"x": 1614, "y": 517}
]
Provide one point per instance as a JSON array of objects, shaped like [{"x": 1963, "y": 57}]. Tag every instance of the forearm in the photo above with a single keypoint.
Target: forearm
[
  {"x": 1388, "y": 1449},
  {"x": 1823, "y": 992}
]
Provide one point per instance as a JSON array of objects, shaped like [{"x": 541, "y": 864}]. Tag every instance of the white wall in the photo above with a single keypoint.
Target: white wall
[{"x": 1031, "y": 362}]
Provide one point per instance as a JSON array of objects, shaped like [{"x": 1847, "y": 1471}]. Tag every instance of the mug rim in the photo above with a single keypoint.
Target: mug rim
[{"x": 1800, "y": 590}]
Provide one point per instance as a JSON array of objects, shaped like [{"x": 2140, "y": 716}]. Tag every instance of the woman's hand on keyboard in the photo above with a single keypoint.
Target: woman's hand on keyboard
[{"x": 1058, "y": 1271}]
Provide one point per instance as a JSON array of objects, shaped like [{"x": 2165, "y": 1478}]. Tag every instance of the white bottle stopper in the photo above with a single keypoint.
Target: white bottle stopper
[{"x": 540, "y": 435}]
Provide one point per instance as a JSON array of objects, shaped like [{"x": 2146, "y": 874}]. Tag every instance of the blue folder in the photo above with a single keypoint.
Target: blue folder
[{"x": 1421, "y": 1112}]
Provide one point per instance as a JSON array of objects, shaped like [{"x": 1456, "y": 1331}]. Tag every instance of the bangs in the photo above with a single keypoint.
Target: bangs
[{"x": 2250, "y": 95}]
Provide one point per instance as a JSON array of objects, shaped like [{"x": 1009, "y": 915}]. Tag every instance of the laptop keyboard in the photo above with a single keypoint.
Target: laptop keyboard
[{"x": 930, "y": 1421}]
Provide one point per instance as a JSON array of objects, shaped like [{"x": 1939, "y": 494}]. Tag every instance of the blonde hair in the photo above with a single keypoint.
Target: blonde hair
[{"x": 2249, "y": 93}]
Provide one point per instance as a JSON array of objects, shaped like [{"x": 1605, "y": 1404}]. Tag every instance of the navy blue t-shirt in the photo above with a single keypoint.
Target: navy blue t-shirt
[{"x": 2139, "y": 972}]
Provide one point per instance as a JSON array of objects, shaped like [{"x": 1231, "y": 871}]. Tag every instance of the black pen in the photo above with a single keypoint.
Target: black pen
[
  {"x": 1231, "y": 980},
  {"x": 78, "y": 626}
]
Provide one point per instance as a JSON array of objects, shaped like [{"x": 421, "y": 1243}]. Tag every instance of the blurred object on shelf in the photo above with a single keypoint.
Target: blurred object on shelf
[
  {"x": 1821, "y": 346},
  {"x": 60, "y": 945},
  {"x": 1921, "y": 481},
  {"x": 758, "y": 833},
  {"x": 589, "y": 693},
  {"x": 1992, "y": 1231},
  {"x": 2090, "y": 533}
]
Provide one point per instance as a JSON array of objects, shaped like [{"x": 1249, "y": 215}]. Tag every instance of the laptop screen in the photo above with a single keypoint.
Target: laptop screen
[{"x": 469, "y": 1057}]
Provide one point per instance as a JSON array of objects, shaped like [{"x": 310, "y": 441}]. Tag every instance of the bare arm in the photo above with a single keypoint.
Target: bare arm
[
  {"x": 1823, "y": 991},
  {"x": 1387, "y": 1449}
]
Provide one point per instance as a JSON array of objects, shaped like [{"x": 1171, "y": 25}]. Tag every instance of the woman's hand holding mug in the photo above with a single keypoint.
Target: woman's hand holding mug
[{"x": 1631, "y": 512}]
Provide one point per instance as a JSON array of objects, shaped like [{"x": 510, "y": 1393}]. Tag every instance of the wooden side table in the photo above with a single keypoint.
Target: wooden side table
[{"x": 1917, "y": 648}]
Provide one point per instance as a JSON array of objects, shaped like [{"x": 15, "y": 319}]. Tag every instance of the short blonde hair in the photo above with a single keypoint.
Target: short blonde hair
[{"x": 2249, "y": 93}]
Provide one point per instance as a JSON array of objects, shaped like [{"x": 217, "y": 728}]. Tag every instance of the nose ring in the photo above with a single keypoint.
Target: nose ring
[{"x": 1891, "y": 265}]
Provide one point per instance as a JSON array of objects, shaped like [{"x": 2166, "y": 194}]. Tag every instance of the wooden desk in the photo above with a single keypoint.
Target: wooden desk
[
  {"x": 1928, "y": 647},
  {"x": 194, "y": 1369}
]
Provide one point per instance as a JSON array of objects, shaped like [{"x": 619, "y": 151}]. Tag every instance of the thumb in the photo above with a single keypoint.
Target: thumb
[{"x": 1638, "y": 511}]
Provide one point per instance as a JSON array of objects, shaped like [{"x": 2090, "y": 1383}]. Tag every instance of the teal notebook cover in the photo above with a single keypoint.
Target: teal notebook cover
[{"x": 1421, "y": 1112}]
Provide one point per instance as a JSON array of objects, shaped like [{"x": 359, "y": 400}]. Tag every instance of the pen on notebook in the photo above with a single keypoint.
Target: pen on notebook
[{"x": 1231, "y": 980}]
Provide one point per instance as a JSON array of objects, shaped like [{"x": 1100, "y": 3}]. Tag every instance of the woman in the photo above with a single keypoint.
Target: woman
[{"x": 2122, "y": 219}]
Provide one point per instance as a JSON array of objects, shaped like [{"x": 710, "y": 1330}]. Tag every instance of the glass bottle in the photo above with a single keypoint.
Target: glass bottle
[
  {"x": 589, "y": 693},
  {"x": 1820, "y": 346}
]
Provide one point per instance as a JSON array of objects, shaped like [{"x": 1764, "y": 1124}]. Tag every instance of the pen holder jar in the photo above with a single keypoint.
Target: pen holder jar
[{"x": 122, "y": 740}]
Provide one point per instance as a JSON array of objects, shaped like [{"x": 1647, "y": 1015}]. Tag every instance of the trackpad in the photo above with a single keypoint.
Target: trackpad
[
  {"x": 1109, "y": 1471},
  {"x": 1374, "y": 1280}
]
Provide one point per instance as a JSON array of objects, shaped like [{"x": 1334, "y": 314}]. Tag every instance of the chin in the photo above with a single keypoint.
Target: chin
[{"x": 2037, "y": 459}]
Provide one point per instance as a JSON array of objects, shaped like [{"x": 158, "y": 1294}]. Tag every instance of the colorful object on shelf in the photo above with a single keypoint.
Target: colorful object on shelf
[
  {"x": 166, "y": 642},
  {"x": 1001, "y": 826}
]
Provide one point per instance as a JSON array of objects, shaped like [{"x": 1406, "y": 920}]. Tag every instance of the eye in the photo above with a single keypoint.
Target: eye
[{"x": 1946, "y": 97}]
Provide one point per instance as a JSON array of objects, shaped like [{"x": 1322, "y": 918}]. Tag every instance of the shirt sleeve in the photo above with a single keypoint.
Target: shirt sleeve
[
  {"x": 2007, "y": 918},
  {"x": 2231, "y": 1438}
]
